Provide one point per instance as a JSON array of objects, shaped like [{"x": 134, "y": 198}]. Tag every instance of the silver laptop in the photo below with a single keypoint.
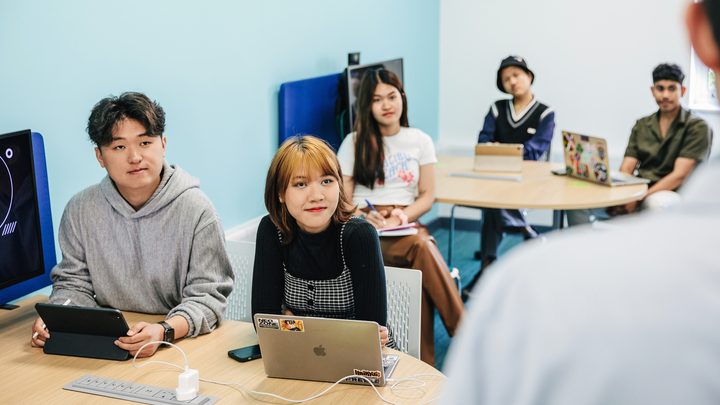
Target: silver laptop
[
  {"x": 322, "y": 349},
  {"x": 498, "y": 157},
  {"x": 586, "y": 158}
]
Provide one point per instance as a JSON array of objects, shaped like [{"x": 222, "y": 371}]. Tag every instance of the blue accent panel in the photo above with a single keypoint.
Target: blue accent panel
[
  {"x": 46, "y": 227},
  {"x": 308, "y": 107}
]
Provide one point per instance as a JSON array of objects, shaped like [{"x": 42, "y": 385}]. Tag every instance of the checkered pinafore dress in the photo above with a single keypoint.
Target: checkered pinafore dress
[{"x": 322, "y": 298}]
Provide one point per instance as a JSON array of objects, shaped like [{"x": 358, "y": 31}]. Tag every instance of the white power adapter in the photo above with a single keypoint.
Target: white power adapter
[{"x": 188, "y": 385}]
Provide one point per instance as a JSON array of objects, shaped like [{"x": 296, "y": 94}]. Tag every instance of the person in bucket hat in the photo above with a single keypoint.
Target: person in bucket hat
[{"x": 521, "y": 119}]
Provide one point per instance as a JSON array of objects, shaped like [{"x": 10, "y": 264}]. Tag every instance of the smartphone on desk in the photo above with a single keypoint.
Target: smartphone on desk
[{"x": 244, "y": 354}]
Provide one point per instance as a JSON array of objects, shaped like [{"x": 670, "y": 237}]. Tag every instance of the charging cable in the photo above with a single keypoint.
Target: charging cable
[
  {"x": 188, "y": 381},
  {"x": 299, "y": 401}
]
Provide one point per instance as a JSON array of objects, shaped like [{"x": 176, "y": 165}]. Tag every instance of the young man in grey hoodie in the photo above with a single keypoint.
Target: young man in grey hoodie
[{"x": 144, "y": 239}]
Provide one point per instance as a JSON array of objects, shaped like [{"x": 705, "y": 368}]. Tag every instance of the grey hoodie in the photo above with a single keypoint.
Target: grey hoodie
[{"x": 168, "y": 257}]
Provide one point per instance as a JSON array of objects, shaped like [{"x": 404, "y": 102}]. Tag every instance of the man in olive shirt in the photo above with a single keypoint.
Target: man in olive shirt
[{"x": 664, "y": 147}]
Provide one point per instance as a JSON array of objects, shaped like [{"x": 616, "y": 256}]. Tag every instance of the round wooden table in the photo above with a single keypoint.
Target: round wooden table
[
  {"x": 536, "y": 187},
  {"x": 31, "y": 377}
]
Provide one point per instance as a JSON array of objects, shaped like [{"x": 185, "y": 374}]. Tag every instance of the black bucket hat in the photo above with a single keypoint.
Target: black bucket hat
[{"x": 513, "y": 61}]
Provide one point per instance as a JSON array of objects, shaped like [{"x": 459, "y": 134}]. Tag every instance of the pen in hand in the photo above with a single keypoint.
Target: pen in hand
[
  {"x": 372, "y": 209},
  {"x": 35, "y": 334}
]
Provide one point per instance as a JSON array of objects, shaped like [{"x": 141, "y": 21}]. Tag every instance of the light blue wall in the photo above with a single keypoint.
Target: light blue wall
[{"x": 215, "y": 67}]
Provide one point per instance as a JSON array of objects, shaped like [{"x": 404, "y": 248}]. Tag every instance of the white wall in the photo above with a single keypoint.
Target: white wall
[{"x": 592, "y": 60}]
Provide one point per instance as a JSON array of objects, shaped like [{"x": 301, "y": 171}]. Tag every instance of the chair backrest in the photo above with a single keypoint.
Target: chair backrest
[
  {"x": 308, "y": 107},
  {"x": 404, "y": 292},
  {"x": 242, "y": 258}
]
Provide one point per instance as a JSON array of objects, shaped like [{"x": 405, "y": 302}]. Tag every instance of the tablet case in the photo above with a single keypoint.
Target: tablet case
[
  {"x": 498, "y": 157},
  {"x": 83, "y": 332}
]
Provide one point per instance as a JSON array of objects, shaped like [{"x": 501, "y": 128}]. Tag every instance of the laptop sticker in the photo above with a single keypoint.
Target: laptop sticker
[
  {"x": 372, "y": 375},
  {"x": 268, "y": 323},
  {"x": 292, "y": 325}
]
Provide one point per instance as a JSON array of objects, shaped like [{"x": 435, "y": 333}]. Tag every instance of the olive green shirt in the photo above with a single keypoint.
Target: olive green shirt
[{"x": 689, "y": 136}]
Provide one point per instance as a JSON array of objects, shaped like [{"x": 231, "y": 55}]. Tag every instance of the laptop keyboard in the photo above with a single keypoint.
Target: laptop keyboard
[
  {"x": 389, "y": 361},
  {"x": 619, "y": 177}
]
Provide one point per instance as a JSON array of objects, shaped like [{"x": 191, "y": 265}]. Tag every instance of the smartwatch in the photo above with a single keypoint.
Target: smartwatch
[{"x": 169, "y": 335}]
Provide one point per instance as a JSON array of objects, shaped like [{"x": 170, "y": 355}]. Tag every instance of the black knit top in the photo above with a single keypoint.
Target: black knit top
[{"x": 316, "y": 275}]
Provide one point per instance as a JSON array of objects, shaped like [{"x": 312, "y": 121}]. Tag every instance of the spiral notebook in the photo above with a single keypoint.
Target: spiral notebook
[{"x": 402, "y": 230}]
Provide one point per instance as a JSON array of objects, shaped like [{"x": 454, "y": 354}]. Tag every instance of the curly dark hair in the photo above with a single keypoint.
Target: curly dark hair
[
  {"x": 110, "y": 111},
  {"x": 668, "y": 71}
]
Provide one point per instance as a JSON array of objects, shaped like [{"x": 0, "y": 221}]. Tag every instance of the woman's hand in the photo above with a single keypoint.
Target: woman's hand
[
  {"x": 400, "y": 215},
  {"x": 140, "y": 334},
  {"x": 384, "y": 337},
  {"x": 377, "y": 218},
  {"x": 39, "y": 333}
]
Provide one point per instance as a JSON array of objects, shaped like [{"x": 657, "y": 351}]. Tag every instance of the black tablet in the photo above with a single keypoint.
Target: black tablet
[{"x": 84, "y": 332}]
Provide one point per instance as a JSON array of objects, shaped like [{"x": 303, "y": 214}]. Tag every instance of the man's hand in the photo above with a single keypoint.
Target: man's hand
[
  {"x": 39, "y": 333},
  {"x": 140, "y": 334}
]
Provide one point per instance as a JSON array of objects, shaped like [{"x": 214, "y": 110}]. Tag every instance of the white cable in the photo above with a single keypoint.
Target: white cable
[
  {"x": 395, "y": 386},
  {"x": 188, "y": 380},
  {"x": 299, "y": 401},
  {"x": 414, "y": 378},
  {"x": 159, "y": 361}
]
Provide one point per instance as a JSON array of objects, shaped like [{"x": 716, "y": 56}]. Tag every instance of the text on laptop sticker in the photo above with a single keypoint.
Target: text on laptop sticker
[
  {"x": 268, "y": 323},
  {"x": 372, "y": 375},
  {"x": 292, "y": 325}
]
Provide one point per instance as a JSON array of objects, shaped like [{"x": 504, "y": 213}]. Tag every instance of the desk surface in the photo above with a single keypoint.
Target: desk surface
[
  {"x": 31, "y": 377},
  {"x": 538, "y": 188}
]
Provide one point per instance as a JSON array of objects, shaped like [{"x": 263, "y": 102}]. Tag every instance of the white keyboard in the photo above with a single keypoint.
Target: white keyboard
[{"x": 129, "y": 391}]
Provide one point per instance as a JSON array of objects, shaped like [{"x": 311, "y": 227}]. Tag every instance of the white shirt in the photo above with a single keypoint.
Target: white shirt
[
  {"x": 405, "y": 152},
  {"x": 627, "y": 315}
]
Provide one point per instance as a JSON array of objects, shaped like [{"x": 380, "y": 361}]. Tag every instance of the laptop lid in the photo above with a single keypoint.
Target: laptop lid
[
  {"x": 498, "y": 157},
  {"x": 320, "y": 349},
  {"x": 586, "y": 157}
]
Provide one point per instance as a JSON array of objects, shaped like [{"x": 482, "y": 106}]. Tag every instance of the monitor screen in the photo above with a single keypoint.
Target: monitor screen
[
  {"x": 21, "y": 247},
  {"x": 354, "y": 75}
]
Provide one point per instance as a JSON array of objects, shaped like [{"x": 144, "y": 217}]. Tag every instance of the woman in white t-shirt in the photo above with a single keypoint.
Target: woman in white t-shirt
[{"x": 391, "y": 166}]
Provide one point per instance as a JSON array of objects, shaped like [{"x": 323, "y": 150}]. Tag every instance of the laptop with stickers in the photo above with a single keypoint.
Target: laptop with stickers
[
  {"x": 322, "y": 349},
  {"x": 586, "y": 158}
]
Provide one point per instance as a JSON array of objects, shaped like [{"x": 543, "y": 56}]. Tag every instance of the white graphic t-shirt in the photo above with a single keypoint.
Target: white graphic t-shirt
[{"x": 405, "y": 152}]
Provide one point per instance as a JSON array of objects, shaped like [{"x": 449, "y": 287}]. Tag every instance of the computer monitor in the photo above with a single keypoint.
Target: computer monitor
[
  {"x": 354, "y": 75},
  {"x": 27, "y": 246}
]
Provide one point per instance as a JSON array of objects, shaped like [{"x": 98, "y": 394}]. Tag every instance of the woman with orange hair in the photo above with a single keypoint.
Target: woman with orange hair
[{"x": 312, "y": 258}]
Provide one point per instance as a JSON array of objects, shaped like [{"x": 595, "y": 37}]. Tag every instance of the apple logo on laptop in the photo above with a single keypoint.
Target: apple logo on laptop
[{"x": 319, "y": 350}]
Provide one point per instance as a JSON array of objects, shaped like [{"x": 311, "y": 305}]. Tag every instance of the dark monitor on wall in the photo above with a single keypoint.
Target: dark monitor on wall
[
  {"x": 354, "y": 75},
  {"x": 27, "y": 246}
]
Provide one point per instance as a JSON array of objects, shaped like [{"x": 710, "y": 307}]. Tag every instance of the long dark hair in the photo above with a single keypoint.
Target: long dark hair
[{"x": 369, "y": 151}]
